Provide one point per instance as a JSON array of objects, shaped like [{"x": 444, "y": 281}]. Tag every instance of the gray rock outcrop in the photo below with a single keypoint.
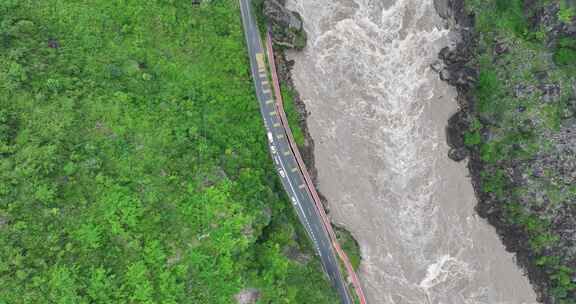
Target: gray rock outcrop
[
  {"x": 247, "y": 296},
  {"x": 286, "y": 25}
]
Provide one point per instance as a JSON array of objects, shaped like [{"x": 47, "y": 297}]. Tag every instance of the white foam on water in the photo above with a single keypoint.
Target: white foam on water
[{"x": 363, "y": 55}]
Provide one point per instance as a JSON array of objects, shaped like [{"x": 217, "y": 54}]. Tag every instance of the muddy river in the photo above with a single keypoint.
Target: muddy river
[{"x": 378, "y": 114}]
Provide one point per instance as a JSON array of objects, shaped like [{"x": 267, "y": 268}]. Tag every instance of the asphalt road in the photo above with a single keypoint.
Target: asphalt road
[{"x": 284, "y": 160}]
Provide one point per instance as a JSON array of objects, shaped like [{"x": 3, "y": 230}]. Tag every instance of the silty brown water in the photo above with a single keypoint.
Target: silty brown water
[{"x": 378, "y": 115}]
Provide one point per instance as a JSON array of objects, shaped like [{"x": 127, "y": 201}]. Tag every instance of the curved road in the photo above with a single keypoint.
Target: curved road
[{"x": 288, "y": 169}]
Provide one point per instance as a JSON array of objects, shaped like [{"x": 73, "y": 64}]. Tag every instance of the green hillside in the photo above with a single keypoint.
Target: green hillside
[
  {"x": 522, "y": 119},
  {"x": 133, "y": 161}
]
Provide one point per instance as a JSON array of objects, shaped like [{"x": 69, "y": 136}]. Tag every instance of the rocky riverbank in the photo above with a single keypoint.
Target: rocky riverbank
[{"x": 522, "y": 166}]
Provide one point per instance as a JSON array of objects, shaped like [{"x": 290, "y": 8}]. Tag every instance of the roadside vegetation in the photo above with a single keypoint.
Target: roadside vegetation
[
  {"x": 292, "y": 115},
  {"x": 133, "y": 160},
  {"x": 522, "y": 134},
  {"x": 350, "y": 246}
]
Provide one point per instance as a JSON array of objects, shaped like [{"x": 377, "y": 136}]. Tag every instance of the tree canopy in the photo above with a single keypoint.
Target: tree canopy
[{"x": 133, "y": 160}]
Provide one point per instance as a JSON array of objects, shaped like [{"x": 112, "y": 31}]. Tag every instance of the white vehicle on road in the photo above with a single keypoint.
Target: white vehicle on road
[
  {"x": 282, "y": 173},
  {"x": 273, "y": 149},
  {"x": 270, "y": 137}
]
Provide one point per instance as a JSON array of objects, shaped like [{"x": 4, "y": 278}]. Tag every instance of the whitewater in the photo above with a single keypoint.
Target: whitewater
[{"x": 377, "y": 117}]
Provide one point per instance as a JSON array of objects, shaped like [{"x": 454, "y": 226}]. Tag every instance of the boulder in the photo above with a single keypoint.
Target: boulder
[
  {"x": 454, "y": 12},
  {"x": 458, "y": 154},
  {"x": 247, "y": 296},
  {"x": 459, "y": 75},
  {"x": 457, "y": 126},
  {"x": 287, "y": 26},
  {"x": 276, "y": 12}
]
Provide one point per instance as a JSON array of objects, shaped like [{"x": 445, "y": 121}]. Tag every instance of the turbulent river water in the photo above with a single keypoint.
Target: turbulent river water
[{"x": 377, "y": 116}]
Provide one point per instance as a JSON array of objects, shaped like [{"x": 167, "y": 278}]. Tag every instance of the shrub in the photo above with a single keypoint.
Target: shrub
[
  {"x": 565, "y": 56},
  {"x": 472, "y": 138},
  {"x": 566, "y": 13},
  {"x": 565, "y": 53},
  {"x": 494, "y": 183},
  {"x": 512, "y": 15}
]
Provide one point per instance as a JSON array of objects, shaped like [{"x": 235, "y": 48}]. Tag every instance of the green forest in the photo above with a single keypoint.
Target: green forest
[{"x": 133, "y": 160}]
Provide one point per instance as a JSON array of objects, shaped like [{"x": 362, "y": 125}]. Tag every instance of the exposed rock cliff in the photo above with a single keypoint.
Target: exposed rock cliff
[{"x": 286, "y": 25}]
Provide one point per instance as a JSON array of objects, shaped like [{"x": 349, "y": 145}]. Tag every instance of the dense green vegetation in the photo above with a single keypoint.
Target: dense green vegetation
[
  {"x": 133, "y": 162},
  {"x": 523, "y": 113},
  {"x": 350, "y": 246},
  {"x": 292, "y": 115}
]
